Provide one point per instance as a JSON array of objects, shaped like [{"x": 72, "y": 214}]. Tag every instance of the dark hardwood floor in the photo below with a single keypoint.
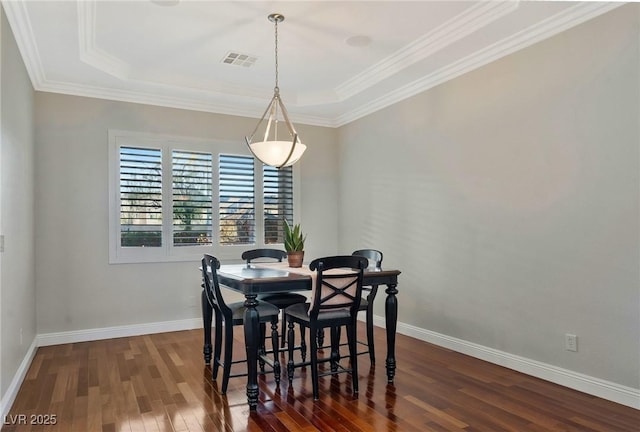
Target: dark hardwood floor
[{"x": 160, "y": 383}]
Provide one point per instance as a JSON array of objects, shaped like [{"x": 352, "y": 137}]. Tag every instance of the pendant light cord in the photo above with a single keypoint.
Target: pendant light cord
[
  {"x": 275, "y": 152},
  {"x": 276, "y": 88}
]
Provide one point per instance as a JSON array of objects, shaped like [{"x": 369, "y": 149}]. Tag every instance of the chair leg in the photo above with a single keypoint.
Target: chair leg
[
  {"x": 217, "y": 344},
  {"x": 283, "y": 331},
  {"x": 321, "y": 338},
  {"x": 228, "y": 356},
  {"x": 303, "y": 343},
  {"x": 371, "y": 347},
  {"x": 276, "y": 351},
  {"x": 290, "y": 343},
  {"x": 314, "y": 363},
  {"x": 335, "y": 348},
  {"x": 353, "y": 355},
  {"x": 261, "y": 349}
]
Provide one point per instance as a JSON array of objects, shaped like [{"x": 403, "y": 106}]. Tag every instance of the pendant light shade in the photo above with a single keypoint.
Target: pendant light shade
[
  {"x": 276, "y": 153},
  {"x": 278, "y": 148}
]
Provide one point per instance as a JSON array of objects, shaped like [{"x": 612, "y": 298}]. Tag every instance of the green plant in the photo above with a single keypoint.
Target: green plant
[{"x": 293, "y": 237}]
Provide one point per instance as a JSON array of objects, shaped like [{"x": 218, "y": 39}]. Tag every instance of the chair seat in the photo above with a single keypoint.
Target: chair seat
[
  {"x": 300, "y": 311},
  {"x": 266, "y": 311},
  {"x": 282, "y": 300}
]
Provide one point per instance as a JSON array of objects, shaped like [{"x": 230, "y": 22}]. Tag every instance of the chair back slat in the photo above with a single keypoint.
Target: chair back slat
[
  {"x": 210, "y": 266},
  {"x": 338, "y": 283},
  {"x": 260, "y": 254},
  {"x": 340, "y": 293}
]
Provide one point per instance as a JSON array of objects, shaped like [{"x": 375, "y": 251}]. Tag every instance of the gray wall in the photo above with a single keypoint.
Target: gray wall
[
  {"x": 17, "y": 280},
  {"x": 77, "y": 289},
  {"x": 509, "y": 197}
]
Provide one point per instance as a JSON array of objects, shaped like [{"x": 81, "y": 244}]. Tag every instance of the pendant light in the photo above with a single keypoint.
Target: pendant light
[{"x": 273, "y": 150}]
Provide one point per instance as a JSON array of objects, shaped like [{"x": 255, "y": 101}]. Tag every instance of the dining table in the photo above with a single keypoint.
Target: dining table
[{"x": 254, "y": 279}]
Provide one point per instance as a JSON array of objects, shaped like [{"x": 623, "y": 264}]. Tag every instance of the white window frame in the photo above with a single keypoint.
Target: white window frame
[{"x": 168, "y": 252}]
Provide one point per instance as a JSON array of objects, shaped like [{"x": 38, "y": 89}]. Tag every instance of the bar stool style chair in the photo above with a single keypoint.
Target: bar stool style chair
[
  {"x": 334, "y": 303},
  {"x": 231, "y": 315},
  {"x": 280, "y": 300},
  {"x": 366, "y": 304},
  {"x": 368, "y": 295}
]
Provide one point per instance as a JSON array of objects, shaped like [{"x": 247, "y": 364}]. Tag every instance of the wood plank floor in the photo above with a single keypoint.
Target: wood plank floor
[{"x": 160, "y": 383}]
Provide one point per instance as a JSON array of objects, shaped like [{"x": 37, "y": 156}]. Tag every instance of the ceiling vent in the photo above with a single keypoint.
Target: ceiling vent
[{"x": 235, "y": 58}]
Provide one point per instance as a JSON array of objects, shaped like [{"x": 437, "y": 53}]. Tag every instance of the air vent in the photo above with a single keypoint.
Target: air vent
[{"x": 235, "y": 58}]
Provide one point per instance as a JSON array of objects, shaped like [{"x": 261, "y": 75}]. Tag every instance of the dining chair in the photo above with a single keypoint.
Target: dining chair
[
  {"x": 280, "y": 300},
  {"x": 229, "y": 315},
  {"x": 366, "y": 304},
  {"x": 335, "y": 300},
  {"x": 368, "y": 295}
]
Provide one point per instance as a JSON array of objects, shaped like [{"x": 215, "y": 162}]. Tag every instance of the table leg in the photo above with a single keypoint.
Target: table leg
[
  {"x": 391, "y": 317},
  {"x": 207, "y": 311},
  {"x": 251, "y": 336}
]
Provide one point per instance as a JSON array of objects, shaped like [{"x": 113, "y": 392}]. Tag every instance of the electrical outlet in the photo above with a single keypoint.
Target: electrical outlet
[
  {"x": 2, "y": 243},
  {"x": 20, "y": 335},
  {"x": 571, "y": 342}
]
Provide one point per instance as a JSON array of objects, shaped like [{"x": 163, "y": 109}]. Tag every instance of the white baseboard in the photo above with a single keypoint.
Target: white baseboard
[
  {"x": 47, "y": 339},
  {"x": 594, "y": 386},
  {"x": 587, "y": 384},
  {"x": 10, "y": 395}
]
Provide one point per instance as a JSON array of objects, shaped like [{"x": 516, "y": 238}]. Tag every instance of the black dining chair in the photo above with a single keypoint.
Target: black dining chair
[
  {"x": 231, "y": 315},
  {"x": 368, "y": 295},
  {"x": 366, "y": 304},
  {"x": 280, "y": 300},
  {"x": 335, "y": 301}
]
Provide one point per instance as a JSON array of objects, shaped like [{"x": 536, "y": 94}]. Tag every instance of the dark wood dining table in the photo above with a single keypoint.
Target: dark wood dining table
[{"x": 252, "y": 280}]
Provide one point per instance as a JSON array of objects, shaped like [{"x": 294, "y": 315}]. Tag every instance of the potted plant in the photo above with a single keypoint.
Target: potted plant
[{"x": 294, "y": 244}]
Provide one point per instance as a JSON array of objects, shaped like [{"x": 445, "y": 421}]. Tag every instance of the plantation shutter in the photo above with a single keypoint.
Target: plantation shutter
[
  {"x": 140, "y": 197},
  {"x": 192, "y": 195},
  {"x": 237, "y": 200},
  {"x": 278, "y": 202}
]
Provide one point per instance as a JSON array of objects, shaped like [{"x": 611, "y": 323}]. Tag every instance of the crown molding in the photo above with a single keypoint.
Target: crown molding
[
  {"x": 475, "y": 16},
  {"x": 544, "y": 29},
  {"x": 20, "y": 24},
  {"x": 170, "y": 102},
  {"x": 472, "y": 19},
  {"x": 89, "y": 52}
]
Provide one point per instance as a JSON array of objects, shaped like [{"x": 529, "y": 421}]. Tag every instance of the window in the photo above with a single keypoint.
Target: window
[
  {"x": 237, "y": 200},
  {"x": 174, "y": 198},
  {"x": 191, "y": 192},
  {"x": 277, "y": 186},
  {"x": 140, "y": 197}
]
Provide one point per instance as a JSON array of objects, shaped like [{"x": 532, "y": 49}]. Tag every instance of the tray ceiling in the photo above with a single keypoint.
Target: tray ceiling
[{"x": 338, "y": 60}]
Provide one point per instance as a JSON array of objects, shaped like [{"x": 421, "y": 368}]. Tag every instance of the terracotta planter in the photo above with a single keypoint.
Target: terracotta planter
[{"x": 295, "y": 258}]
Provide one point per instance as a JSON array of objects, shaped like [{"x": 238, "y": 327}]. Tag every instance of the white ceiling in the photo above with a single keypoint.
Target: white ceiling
[{"x": 170, "y": 52}]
